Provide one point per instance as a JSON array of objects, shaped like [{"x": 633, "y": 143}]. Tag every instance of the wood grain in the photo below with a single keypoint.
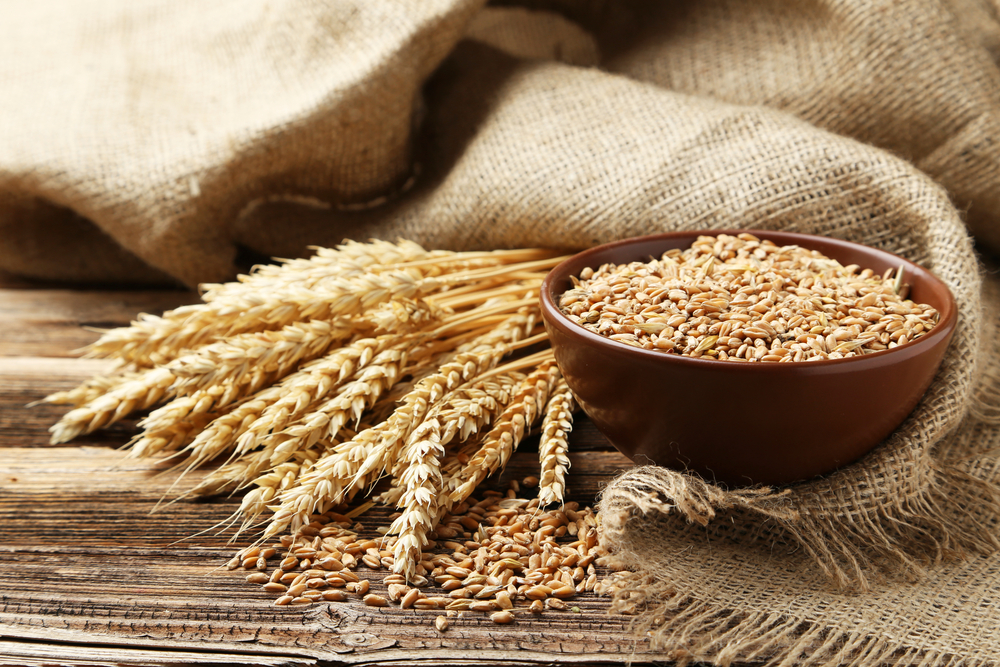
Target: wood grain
[
  {"x": 97, "y": 571},
  {"x": 50, "y": 322}
]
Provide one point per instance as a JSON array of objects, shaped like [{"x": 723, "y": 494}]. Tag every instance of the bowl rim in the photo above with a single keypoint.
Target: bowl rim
[{"x": 553, "y": 315}]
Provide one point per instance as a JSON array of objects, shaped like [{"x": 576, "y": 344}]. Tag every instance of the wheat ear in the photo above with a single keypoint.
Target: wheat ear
[
  {"x": 136, "y": 394},
  {"x": 326, "y": 263},
  {"x": 93, "y": 388},
  {"x": 349, "y": 404},
  {"x": 250, "y": 361},
  {"x": 421, "y": 485},
  {"x": 303, "y": 390},
  {"x": 221, "y": 435},
  {"x": 486, "y": 353},
  {"x": 152, "y": 339},
  {"x": 554, "y": 445},
  {"x": 366, "y": 456},
  {"x": 508, "y": 431}
]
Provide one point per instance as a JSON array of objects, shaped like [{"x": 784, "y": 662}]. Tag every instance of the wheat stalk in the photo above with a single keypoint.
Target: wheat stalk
[{"x": 365, "y": 457}]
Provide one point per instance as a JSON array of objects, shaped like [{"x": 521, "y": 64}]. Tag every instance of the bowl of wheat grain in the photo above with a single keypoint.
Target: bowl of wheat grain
[{"x": 747, "y": 357}]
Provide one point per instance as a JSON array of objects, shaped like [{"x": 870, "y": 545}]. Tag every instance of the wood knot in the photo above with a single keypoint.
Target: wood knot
[{"x": 359, "y": 639}]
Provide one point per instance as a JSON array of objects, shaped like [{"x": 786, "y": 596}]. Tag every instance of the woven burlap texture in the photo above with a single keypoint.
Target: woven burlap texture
[{"x": 147, "y": 142}]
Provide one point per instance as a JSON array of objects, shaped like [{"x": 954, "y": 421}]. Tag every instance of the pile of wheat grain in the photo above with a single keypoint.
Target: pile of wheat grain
[
  {"x": 501, "y": 555},
  {"x": 738, "y": 298},
  {"x": 314, "y": 379}
]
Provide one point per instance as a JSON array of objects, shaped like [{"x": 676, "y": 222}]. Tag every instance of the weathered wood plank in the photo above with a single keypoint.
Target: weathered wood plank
[
  {"x": 25, "y": 380},
  {"x": 24, "y": 653},
  {"x": 49, "y": 322}
]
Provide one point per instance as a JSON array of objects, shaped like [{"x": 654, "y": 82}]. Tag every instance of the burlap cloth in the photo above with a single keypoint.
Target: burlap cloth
[{"x": 156, "y": 141}]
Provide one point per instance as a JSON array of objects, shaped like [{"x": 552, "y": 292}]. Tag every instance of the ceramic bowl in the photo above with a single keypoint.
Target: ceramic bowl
[{"x": 745, "y": 423}]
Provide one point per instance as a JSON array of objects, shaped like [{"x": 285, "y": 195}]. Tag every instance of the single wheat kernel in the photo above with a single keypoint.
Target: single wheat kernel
[
  {"x": 539, "y": 592},
  {"x": 410, "y": 598},
  {"x": 426, "y": 603},
  {"x": 373, "y": 600},
  {"x": 502, "y": 617},
  {"x": 441, "y": 623}
]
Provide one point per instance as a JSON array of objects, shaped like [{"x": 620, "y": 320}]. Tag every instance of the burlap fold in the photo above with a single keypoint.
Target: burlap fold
[{"x": 152, "y": 141}]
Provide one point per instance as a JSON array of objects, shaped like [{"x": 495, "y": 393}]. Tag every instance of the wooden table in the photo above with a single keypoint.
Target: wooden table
[{"x": 89, "y": 575}]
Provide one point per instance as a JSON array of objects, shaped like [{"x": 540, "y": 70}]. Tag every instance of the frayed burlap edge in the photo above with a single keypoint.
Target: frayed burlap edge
[
  {"x": 690, "y": 630},
  {"x": 898, "y": 538}
]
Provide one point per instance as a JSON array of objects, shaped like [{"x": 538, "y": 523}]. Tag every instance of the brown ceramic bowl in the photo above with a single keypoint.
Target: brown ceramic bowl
[{"x": 740, "y": 424}]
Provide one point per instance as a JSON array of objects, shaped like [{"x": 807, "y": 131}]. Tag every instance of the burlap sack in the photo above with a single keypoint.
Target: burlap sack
[
  {"x": 159, "y": 121},
  {"x": 910, "y": 77},
  {"x": 158, "y": 135}
]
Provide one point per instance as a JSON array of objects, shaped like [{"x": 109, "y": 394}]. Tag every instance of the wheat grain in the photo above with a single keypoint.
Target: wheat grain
[
  {"x": 743, "y": 299},
  {"x": 514, "y": 555}
]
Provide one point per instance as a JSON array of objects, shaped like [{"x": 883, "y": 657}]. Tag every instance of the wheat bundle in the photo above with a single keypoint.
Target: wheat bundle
[{"x": 314, "y": 379}]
